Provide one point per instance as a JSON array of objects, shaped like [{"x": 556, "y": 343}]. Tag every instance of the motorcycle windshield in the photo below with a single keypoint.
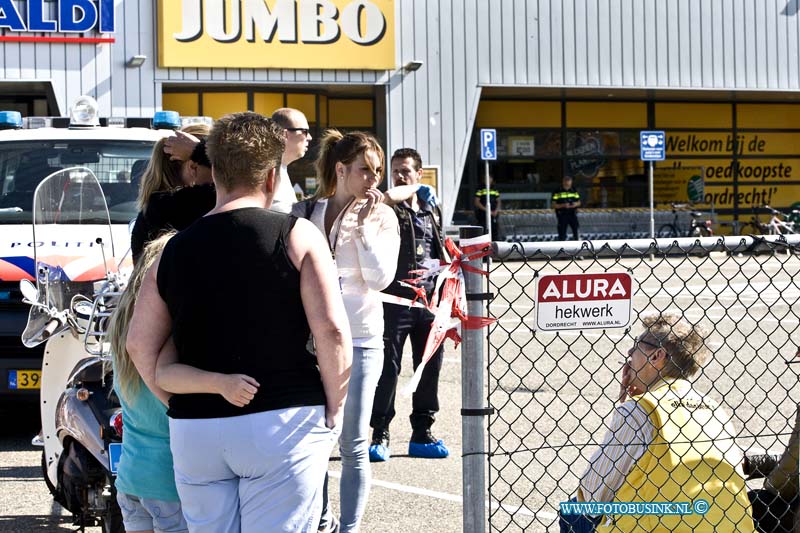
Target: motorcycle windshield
[{"x": 72, "y": 241}]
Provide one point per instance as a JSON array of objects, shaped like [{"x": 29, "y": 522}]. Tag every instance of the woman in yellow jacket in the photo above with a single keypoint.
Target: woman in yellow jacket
[{"x": 666, "y": 444}]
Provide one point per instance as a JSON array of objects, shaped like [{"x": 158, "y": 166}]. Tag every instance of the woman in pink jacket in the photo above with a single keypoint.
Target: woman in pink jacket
[{"x": 364, "y": 239}]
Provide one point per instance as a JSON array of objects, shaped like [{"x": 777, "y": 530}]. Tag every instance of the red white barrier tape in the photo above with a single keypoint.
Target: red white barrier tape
[{"x": 448, "y": 301}]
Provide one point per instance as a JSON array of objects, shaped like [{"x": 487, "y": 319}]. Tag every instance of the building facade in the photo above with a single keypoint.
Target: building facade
[{"x": 567, "y": 84}]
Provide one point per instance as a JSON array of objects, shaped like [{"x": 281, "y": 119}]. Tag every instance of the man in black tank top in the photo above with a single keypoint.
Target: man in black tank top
[{"x": 234, "y": 460}]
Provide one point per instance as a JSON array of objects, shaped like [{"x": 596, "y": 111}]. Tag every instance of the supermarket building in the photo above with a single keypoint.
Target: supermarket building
[{"x": 567, "y": 84}]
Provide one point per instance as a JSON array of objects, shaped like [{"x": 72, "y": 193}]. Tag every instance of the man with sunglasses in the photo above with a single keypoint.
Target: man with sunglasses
[
  {"x": 666, "y": 441},
  {"x": 298, "y": 135}
]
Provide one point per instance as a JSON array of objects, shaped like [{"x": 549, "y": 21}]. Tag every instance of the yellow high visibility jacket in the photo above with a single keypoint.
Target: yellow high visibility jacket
[{"x": 688, "y": 460}]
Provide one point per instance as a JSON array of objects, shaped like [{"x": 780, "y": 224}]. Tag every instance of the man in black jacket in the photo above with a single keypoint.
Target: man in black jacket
[{"x": 421, "y": 242}]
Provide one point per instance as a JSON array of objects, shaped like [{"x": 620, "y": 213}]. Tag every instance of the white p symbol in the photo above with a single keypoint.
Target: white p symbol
[{"x": 488, "y": 137}]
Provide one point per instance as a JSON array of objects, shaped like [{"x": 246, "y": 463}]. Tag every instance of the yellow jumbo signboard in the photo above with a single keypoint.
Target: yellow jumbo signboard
[
  {"x": 295, "y": 34},
  {"x": 679, "y": 185},
  {"x": 766, "y": 169}
]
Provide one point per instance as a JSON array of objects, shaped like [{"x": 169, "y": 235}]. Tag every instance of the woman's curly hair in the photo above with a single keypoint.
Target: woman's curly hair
[{"x": 684, "y": 342}]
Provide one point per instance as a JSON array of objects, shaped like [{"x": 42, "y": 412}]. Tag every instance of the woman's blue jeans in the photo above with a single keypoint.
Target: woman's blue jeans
[{"x": 354, "y": 440}]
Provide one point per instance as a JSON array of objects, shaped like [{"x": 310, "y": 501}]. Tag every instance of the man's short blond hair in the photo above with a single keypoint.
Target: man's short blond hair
[
  {"x": 684, "y": 342},
  {"x": 243, "y": 148}
]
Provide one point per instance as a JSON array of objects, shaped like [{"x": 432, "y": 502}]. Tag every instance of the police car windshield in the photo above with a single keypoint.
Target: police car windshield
[{"x": 118, "y": 166}]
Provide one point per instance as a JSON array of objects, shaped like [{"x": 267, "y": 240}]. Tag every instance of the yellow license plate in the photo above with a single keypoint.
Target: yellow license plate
[{"x": 24, "y": 379}]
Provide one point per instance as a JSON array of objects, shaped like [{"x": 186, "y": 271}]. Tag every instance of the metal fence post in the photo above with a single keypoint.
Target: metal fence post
[{"x": 473, "y": 395}]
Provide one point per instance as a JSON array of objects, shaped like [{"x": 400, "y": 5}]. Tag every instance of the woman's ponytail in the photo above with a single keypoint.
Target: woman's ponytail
[{"x": 326, "y": 163}]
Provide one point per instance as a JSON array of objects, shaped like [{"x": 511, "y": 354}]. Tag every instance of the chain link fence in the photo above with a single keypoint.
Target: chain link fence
[{"x": 555, "y": 392}]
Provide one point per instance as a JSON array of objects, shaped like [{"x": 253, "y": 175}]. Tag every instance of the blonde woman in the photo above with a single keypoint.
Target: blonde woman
[
  {"x": 364, "y": 239},
  {"x": 145, "y": 483},
  {"x": 172, "y": 193}
]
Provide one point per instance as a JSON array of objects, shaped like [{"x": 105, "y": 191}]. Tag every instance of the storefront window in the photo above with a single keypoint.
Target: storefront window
[
  {"x": 725, "y": 162},
  {"x": 603, "y": 143},
  {"x": 528, "y": 166},
  {"x": 528, "y": 144}
]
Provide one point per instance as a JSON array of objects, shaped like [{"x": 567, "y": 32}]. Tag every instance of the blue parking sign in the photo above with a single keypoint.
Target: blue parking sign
[
  {"x": 488, "y": 145},
  {"x": 652, "y": 145}
]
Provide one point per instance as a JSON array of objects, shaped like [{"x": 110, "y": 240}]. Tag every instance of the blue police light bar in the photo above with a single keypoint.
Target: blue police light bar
[
  {"x": 10, "y": 120},
  {"x": 166, "y": 120}
]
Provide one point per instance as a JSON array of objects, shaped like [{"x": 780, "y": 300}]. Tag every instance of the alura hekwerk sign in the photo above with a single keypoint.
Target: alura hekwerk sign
[
  {"x": 297, "y": 34},
  {"x": 584, "y": 301}
]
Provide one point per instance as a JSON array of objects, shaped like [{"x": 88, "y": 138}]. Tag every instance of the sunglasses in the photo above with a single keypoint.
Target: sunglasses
[
  {"x": 304, "y": 131},
  {"x": 639, "y": 342}
]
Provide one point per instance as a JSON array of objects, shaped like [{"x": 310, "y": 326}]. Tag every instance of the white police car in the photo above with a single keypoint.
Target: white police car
[{"x": 116, "y": 150}]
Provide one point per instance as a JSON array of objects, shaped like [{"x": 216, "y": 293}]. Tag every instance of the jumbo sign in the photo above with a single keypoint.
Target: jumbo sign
[
  {"x": 64, "y": 16},
  {"x": 296, "y": 34}
]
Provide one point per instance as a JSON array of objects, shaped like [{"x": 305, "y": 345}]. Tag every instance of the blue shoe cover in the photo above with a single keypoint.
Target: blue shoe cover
[
  {"x": 435, "y": 450},
  {"x": 378, "y": 453}
]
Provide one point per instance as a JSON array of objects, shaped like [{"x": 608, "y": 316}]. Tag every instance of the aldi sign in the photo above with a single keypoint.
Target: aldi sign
[
  {"x": 61, "y": 16},
  {"x": 584, "y": 301}
]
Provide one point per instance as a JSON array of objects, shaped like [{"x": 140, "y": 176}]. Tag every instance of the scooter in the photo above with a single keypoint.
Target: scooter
[{"x": 75, "y": 292}]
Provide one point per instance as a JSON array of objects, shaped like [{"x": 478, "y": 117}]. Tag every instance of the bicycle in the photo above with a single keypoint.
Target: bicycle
[
  {"x": 697, "y": 226},
  {"x": 779, "y": 224}
]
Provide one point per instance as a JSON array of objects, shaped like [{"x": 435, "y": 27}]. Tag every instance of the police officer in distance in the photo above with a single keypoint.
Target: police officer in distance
[
  {"x": 492, "y": 196},
  {"x": 566, "y": 202}
]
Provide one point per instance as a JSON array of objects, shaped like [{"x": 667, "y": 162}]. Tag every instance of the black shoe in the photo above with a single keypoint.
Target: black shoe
[
  {"x": 424, "y": 444},
  {"x": 333, "y": 527},
  {"x": 423, "y": 436},
  {"x": 380, "y": 437}
]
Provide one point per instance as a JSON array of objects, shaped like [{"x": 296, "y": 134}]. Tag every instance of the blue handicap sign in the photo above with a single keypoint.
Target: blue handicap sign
[
  {"x": 652, "y": 145},
  {"x": 488, "y": 145},
  {"x": 114, "y": 455}
]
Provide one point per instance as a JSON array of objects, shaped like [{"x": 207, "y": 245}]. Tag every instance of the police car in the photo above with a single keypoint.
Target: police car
[{"x": 116, "y": 150}]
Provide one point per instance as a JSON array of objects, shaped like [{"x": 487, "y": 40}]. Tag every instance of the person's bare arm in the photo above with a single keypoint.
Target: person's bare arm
[
  {"x": 150, "y": 327},
  {"x": 178, "y": 378},
  {"x": 180, "y": 146},
  {"x": 399, "y": 194},
  {"x": 327, "y": 317}
]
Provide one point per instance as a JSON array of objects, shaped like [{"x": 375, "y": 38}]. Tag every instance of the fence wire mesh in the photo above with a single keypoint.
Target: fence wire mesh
[{"x": 555, "y": 392}]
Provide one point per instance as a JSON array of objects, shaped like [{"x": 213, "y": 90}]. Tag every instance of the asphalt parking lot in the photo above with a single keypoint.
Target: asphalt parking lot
[
  {"x": 408, "y": 494},
  {"x": 551, "y": 391}
]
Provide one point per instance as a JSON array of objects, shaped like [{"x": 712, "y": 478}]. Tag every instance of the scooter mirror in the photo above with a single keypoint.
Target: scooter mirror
[{"x": 29, "y": 291}]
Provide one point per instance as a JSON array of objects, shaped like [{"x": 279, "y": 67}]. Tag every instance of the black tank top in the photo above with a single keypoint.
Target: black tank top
[
  {"x": 168, "y": 210},
  {"x": 234, "y": 298}
]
